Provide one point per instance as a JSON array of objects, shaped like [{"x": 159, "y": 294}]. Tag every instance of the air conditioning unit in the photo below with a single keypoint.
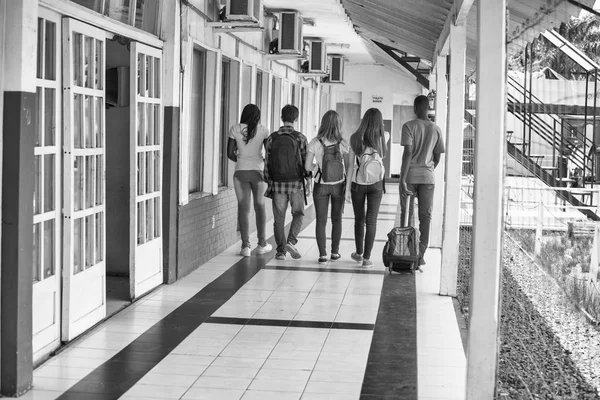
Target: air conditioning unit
[
  {"x": 336, "y": 71},
  {"x": 243, "y": 10},
  {"x": 317, "y": 57},
  {"x": 290, "y": 33}
]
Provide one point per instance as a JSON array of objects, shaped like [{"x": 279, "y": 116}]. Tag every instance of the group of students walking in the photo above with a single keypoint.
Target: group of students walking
[{"x": 283, "y": 166}]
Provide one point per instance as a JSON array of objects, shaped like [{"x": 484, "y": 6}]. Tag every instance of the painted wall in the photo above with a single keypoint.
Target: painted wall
[
  {"x": 207, "y": 222},
  {"x": 382, "y": 88}
]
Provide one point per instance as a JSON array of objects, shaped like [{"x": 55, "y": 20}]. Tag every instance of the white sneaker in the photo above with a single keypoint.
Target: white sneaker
[
  {"x": 264, "y": 249},
  {"x": 245, "y": 252}
]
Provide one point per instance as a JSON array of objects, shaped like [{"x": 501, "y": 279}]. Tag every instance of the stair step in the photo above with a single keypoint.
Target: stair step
[
  {"x": 537, "y": 155},
  {"x": 550, "y": 168}
]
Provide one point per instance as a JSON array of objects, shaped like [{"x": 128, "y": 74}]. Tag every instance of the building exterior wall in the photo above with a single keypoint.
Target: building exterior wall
[{"x": 207, "y": 221}]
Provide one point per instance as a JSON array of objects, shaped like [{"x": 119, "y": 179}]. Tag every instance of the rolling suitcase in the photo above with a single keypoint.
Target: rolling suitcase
[{"x": 401, "y": 251}]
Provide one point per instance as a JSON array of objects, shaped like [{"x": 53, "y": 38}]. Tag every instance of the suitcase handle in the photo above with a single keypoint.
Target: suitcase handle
[{"x": 406, "y": 211}]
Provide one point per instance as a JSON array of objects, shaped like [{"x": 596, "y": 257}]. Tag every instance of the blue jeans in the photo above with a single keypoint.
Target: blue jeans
[
  {"x": 372, "y": 195},
  {"x": 321, "y": 195},
  {"x": 424, "y": 193},
  {"x": 280, "y": 203},
  {"x": 245, "y": 189}
]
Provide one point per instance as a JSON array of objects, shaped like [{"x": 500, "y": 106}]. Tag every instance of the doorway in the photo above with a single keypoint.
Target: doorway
[
  {"x": 98, "y": 170},
  {"x": 118, "y": 214}
]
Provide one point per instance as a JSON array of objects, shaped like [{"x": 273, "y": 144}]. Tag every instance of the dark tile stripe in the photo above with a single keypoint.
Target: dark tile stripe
[
  {"x": 290, "y": 323},
  {"x": 116, "y": 376},
  {"x": 391, "y": 371},
  {"x": 325, "y": 269}
]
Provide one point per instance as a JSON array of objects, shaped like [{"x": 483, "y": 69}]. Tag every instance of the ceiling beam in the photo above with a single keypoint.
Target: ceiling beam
[
  {"x": 457, "y": 16},
  {"x": 390, "y": 51}
]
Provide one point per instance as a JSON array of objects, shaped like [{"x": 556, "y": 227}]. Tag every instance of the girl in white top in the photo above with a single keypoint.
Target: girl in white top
[
  {"x": 246, "y": 148},
  {"x": 330, "y": 178},
  {"x": 370, "y": 138}
]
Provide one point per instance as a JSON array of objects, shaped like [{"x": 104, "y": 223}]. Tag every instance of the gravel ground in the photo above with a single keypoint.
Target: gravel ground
[{"x": 549, "y": 351}]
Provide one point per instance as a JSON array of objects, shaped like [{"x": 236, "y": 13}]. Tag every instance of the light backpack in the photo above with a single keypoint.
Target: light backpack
[
  {"x": 285, "y": 163},
  {"x": 332, "y": 165},
  {"x": 369, "y": 168}
]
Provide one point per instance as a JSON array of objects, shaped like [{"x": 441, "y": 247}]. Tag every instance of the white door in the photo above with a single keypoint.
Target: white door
[
  {"x": 84, "y": 265},
  {"x": 146, "y": 134},
  {"x": 47, "y": 186}
]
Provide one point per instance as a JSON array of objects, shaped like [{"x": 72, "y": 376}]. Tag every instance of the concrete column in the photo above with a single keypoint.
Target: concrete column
[
  {"x": 441, "y": 119},
  {"x": 482, "y": 350},
  {"x": 172, "y": 86},
  {"x": 20, "y": 114},
  {"x": 454, "y": 149}
]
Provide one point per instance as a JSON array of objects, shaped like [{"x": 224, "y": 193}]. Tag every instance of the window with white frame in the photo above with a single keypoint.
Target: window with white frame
[
  {"x": 276, "y": 103},
  {"x": 197, "y": 124},
  {"x": 143, "y": 14},
  {"x": 226, "y": 88},
  {"x": 46, "y": 193},
  {"x": 246, "y": 85}
]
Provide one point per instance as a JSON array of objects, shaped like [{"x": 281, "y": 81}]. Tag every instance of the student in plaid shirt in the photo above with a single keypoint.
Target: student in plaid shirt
[{"x": 286, "y": 185}]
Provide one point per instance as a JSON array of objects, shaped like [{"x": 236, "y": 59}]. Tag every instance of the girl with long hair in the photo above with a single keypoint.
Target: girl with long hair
[
  {"x": 329, "y": 152},
  {"x": 245, "y": 148},
  {"x": 364, "y": 184}
]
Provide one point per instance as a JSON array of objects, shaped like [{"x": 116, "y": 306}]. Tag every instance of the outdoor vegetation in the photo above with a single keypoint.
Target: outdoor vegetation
[{"x": 537, "y": 360}]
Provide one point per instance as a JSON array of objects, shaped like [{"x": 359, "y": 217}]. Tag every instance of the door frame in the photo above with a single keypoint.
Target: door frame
[{"x": 73, "y": 325}]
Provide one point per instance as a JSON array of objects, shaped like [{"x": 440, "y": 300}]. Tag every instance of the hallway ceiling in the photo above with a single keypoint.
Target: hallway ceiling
[
  {"x": 331, "y": 24},
  {"x": 349, "y": 27}
]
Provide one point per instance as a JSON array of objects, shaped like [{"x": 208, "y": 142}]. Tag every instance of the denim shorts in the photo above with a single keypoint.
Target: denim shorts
[{"x": 249, "y": 176}]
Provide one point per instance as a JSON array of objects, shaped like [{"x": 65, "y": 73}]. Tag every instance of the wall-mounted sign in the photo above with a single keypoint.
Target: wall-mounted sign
[{"x": 377, "y": 99}]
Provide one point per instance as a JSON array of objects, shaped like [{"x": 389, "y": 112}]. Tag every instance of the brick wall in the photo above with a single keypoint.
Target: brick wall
[{"x": 197, "y": 241}]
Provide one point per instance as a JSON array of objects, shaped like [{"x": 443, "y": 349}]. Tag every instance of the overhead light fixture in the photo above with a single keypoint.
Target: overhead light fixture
[{"x": 340, "y": 45}]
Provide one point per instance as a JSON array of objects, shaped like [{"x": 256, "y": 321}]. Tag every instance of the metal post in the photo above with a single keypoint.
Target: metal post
[
  {"x": 482, "y": 352},
  {"x": 594, "y": 177},
  {"x": 553, "y": 141},
  {"x": 530, "y": 103},
  {"x": 562, "y": 147},
  {"x": 525, "y": 96},
  {"x": 456, "y": 115},
  {"x": 539, "y": 231},
  {"x": 585, "y": 115}
]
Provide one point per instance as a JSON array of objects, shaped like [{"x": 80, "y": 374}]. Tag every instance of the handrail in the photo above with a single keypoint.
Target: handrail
[
  {"x": 540, "y": 124},
  {"x": 517, "y": 85}
]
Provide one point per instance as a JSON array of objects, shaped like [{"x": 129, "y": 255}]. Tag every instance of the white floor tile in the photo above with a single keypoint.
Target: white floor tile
[
  {"x": 157, "y": 392},
  {"x": 270, "y": 395},
  {"x": 231, "y": 372},
  {"x": 220, "y": 382},
  {"x": 201, "y": 393},
  {"x": 279, "y": 385}
]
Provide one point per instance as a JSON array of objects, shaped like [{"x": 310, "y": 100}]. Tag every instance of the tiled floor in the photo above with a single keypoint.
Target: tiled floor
[{"x": 290, "y": 329}]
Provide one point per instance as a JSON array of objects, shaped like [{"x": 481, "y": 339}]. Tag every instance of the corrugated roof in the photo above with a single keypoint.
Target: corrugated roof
[{"x": 414, "y": 26}]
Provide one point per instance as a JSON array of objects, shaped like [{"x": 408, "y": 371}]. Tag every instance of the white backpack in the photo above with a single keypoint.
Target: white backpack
[{"x": 369, "y": 168}]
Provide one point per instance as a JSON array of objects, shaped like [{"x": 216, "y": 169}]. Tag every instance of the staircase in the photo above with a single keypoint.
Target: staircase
[
  {"x": 574, "y": 146},
  {"x": 565, "y": 140}
]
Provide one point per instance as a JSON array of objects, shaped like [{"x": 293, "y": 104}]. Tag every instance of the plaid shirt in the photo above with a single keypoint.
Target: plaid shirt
[{"x": 283, "y": 187}]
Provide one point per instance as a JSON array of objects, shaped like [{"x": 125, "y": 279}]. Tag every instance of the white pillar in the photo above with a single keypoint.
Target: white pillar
[
  {"x": 441, "y": 118},
  {"x": 482, "y": 350},
  {"x": 454, "y": 149}
]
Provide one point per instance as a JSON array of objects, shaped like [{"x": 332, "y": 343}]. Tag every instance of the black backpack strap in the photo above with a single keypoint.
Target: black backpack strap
[
  {"x": 300, "y": 164},
  {"x": 274, "y": 137}
]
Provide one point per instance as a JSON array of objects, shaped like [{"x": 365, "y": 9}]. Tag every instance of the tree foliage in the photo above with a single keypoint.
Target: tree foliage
[{"x": 582, "y": 31}]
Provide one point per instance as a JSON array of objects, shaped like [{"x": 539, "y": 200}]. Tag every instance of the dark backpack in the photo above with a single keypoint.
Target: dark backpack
[
  {"x": 285, "y": 163},
  {"x": 332, "y": 163}
]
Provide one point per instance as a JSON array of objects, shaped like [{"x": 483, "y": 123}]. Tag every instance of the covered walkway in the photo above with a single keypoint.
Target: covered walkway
[{"x": 257, "y": 328}]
